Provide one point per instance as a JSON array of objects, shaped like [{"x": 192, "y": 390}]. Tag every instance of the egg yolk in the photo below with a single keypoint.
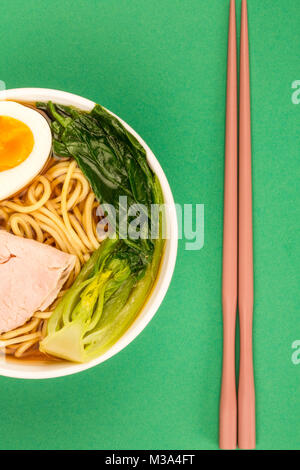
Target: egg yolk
[{"x": 16, "y": 142}]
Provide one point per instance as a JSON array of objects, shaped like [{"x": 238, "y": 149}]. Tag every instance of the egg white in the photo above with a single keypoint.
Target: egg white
[{"x": 14, "y": 179}]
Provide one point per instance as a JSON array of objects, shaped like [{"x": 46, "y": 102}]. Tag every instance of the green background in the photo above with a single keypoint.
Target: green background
[{"x": 161, "y": 66}]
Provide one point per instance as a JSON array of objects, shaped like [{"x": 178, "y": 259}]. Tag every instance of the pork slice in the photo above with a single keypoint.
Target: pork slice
[{"x": 31, "y": 276}]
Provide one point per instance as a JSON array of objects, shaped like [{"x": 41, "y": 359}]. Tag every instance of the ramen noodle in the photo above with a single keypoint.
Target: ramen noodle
[{"x": 58, "y": 208}]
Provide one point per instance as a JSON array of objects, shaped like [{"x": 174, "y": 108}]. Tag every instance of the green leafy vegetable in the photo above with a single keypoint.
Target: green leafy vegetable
[
  {"x": 100, "y": 306},
  {"x": 112, "y": 160},
  {"x": 113, "y": 285}
]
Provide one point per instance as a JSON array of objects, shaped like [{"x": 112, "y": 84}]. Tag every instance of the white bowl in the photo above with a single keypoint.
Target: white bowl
[{"x": 49, "y": 370}]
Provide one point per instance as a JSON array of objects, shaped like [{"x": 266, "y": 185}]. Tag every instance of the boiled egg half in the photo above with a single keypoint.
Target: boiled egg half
[{"x": 25, "y": 145}]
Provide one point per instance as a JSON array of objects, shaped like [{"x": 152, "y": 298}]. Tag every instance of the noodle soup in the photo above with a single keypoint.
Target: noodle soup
[{"x": 111, "y": 279}]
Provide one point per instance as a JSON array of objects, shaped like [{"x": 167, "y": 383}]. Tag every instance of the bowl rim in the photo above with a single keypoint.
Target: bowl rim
[{"x": 168, "y": 262}]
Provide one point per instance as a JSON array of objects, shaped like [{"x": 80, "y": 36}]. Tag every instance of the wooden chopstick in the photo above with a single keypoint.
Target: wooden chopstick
[
  {"x": 228, "y": 405},
  {"x": 246, "y": 393},
  {"x": 243, "y": 246}
]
